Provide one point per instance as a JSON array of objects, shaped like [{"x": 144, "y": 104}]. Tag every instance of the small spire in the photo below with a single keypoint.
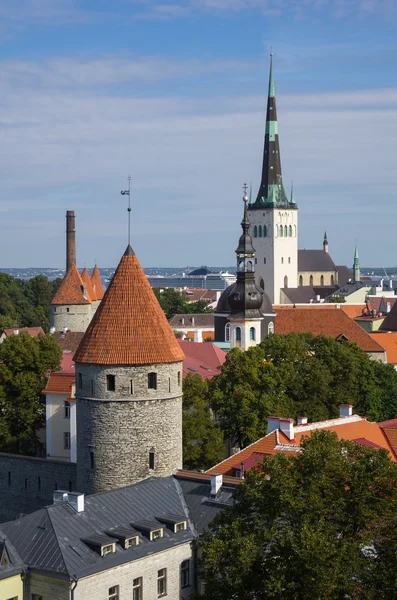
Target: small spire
[
  {"x": 356, "y": 265},
  {"x": 129, "y": 251},
  {"x": 272, "y": 91},
  {"x": 325, "y": 236},
  {"x": 325, "y": 242},
  {"x": 292, "y": 201}
]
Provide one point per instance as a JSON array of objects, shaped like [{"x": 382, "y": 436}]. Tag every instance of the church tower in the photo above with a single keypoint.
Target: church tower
[
  {"x": 274, "y": 217},
  {"x": 356, "y": 266},
  {"x": 128, "y": 387}
]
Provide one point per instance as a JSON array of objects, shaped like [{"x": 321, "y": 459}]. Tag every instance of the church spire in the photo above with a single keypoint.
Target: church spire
[
  {"x": 271, "y": 191},
  {"x": 356, "y": 266},
  {"x": 325, "y": 242}
]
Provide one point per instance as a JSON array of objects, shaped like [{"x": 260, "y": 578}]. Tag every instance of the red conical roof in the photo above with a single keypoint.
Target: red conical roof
[
  {"x": 85, "y": 276},
  {"x": 71, "y": 290},
  {"x": 97, "y": 284},
  {"x": 129, "y": 326}
]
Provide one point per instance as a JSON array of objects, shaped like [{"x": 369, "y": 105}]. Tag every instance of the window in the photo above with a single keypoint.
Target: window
[
  {"x": 161, "y": 583},
  {"x": 26, "y": 483},
  {"x": 289, "y": 260},
  {"x": 179, "y": 378},
  {"x": 151, "y": 460},
  {"x": 39, "y": 483},
  {"x": 264, "y": 260},
  {"x": 285, "y": 231},
  {"x": 281, "y": 231},
  {"x": 262, "y": 284},
  {"x": 137, "y": 588},
  {"x": 270, "y": 327},
  {"x": 169, "y": 385},
  {"x": 134, "y": 541},
  {"x": 66, "y": 409},
  {"x": 55, "y": 309},
  {"x": 67, "y": 310},
  {"x": 282, "y": 260},
  {"x": 290, "y": 231},
  {"x": 80, "y": 378},
  {"x": 300, "y": 280},
  {"x": 152, "y": 381},
  {"x": 180, "y": 527},
  {"x": 227, "y": 332},
  {"x": 108, "y": 549},
  {"x": 66, "y": 440},
  {"x": 114, "y": 593},
  {"x": 264, "y": 231},
  {"x": 249, "y": 266},
  {"x": 110, "y": 383},
  {"x": 92, "y": 459},
  {"x": 322, "y": 280},
  {"x": 131, "y": 386},
  {"x": 311, "y": 280},
  {"x": 332, "y": 280},
  {"x": 255, "y": 231},
  {"x": 156, "y": 534},
  {"x": 92, "y": 387},
  {"x": 185, "y": 574},
  {"x": 256, "y": 261},
  {"x": 238, "y": 334},
  {"x": 285, "y": 281},
  {"x": 260, "y": 231},
  {"x": 252, "y": 334},
  {"x": 9, "y": 478}
]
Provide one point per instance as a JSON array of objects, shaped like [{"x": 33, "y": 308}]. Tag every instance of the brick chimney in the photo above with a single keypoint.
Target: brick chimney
[
  {"x": 70, "y": 239},
  {"x": 283, "y": 424}
]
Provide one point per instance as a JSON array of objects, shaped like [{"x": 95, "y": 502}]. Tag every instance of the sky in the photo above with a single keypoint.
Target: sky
[{"x": 174, "y": 93}]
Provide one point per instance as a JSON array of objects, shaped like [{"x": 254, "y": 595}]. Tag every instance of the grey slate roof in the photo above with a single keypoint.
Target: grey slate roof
[
  {"x": 344, "y": 275},
  {"x": 14, "y": 564},
  {"x": 51, "y": 538},
  {"x": 306, "y": 293},
  {"x": 315, "y": 260},
  {"x": 192, "y": 320}
]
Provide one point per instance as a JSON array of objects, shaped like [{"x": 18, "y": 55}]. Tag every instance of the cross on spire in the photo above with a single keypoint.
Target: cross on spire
[{"x": 128, "y": 193}]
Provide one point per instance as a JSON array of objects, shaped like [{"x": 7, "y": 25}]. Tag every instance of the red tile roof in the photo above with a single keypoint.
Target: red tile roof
[
  {"x": 388, "y": 341},
  {"x": 129, "y": 326},
  {"x": 71, "y": 289},
  {"x": 60, "y": 383},
  {"x": 97, "y": 284},
  {"x": 85, "y": 276},
  {"x": 352, "y": 428},
  {"x": 32, "y": 331},
  {"x": 331, "y": 322},
  {"x": 202, "y": 358},
  {"x": 69, "y": 340}
]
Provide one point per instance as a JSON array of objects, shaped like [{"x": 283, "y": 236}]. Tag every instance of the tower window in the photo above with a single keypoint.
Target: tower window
[
  {"x": 39, "y": 483},
  {"x": 270, "y": 327},
  {"x": 290, "y": 231},
  {"x": 300, "y": 280},
  {"x": 252, "y": 334},
  {"x": 169, "y": 385},
  {"x": 9, "y": 478},
  {"x": 285, "y": 281},
  {"x": 66, "y": 409},
  {"x": 311, "y": 280},
  {"x": 227, "y": 332},
  {"x": 260, "y": 231},
  {"x": 285, "y": 231},
  {"x": 67, "y": 310},
  {"x": 80, "y": 380},
  {"x": 289, "y": 260},
  {"x": 238, "y": 334},
  {"x": 249, "y": 266},
  {"x": 322, "y": 280},
  {"x": 256, "y": 261},
  {"x": 151, "y": 460},
  {"x": 152, "y": 381},
  {"x": 332, "y": 280},
  {"x": 92, "y": 459},
  {"x": 282, "y": 260},
  {"x": 131, "y": 386},
  {"x": 111, "y": 383},
  {"x": 264, "y": 260},
  {"x": 92, "y": 387},
  {"x": 262, "y": 284},
  {"x": 281, "y": 231},
  {"x": 264, "y": 231},
  {"x": 179, "y": 378},
  {"x": 255, "y": 231}
]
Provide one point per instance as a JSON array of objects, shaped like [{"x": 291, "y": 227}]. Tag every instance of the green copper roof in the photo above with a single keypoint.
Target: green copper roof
[
  {"x": 272, "y": 90},
  {"x": 356, "y": 253},
  {"x": 292, "y": 201}
]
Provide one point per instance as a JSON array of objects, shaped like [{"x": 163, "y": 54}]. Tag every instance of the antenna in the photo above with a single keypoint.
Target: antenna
[{"x": 128, "y": 193}]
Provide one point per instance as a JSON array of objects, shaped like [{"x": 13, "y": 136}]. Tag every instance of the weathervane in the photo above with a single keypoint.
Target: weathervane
[
  {"x": 245, "y": 190},
  {"x": 124, "y": 193}
]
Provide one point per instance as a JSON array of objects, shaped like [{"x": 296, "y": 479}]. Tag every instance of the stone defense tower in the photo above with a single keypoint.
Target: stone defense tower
[
  {"x": 274, "y": 218},
  {"x": 70, "y": 239},
  {"x": 71, "y": 305},
  {"x": 128, "y": 387}
]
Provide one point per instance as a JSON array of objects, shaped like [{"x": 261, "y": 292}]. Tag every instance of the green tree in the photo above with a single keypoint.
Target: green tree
[
  {"x": 295, "y": 375},
  {"x": 315, "y": 525},
  {"x": 202, "y": 438},
  {"x": 24, "y": 366},
  {"x": 174, "y": 303}
]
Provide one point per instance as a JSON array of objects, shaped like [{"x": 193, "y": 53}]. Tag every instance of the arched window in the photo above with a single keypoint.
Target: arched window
[
  {"x": 264, "y": 231},
  {"x": 282, "y": 260},
  {"x": 260, "y": 231},
  {"x": 281, "y": 231},
  {"x": 300, "y": 280},
  {"x": 311, "y": 280},
  {"x": 322, "y": 280},
  {"x": 285, "y": 281},
  {"x": 332, "y": 280},
  {"x": 255, "y": 231},
  {"x": 261, "y": 284},
  {"x": 227, "y": 332},
  {"x": 249, "y": 266},
  {"x": 238, "y": 334},
  {"x": 285, "y": 231},
  {"x": 270, "y": 327},
  {"x": 290, "y": 231},
  {"x": 252, "y": 334}
]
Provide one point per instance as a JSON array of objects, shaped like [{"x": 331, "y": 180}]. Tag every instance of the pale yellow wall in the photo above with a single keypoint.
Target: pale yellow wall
[
  {"x": 56, "y": 425},
  {"x": 317, "y": 277},
  {"x": 12, "y": 587}
]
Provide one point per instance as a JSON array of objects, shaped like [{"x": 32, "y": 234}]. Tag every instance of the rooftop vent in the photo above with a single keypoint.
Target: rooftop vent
[
  {"x": 216, "y": 483},
  {"x": 74, "y": 499}
]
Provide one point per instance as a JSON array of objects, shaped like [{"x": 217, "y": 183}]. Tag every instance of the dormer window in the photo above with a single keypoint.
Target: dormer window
[
  {"x": 175, "y": 523},
  {"x": 108, "y": 549},
  {"x": 129, "y": 542},
  {"x": 101, "y": 544},
  {"x": 180, "y": 527},
  {"x": 156, "y": 534}
]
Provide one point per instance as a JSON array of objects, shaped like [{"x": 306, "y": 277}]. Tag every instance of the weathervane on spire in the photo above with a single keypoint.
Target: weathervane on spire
[
  {"x": 245, "y": 190},
  {"x": 128, "y": 193}
]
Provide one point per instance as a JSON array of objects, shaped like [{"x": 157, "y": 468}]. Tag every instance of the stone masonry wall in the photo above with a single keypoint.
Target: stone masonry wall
[
  {"x": 27, "y": 483},
  {"x": 77, "y": 319},
  {"x": 116, "y": 430}
]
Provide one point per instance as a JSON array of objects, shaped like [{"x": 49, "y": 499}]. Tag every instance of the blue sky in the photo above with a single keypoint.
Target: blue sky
[{"x": 175, "y": 94}]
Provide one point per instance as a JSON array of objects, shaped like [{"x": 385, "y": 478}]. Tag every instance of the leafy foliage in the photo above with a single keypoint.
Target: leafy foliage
[
  {"x": 26, "y": 303},
  {"x": 297, "y": 375},
  {"x": 202, "y": 438},
  {"x": 173, "y": 303},
  {"x": 24, "y": 365},
  {"x": 320, "y": 524}
]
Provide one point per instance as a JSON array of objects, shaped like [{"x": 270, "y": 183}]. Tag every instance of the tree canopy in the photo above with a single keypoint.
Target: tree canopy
[
  {"x": 24, "y": 366},
  {"x": 202, "y": 437},
  {"x": 293, "y": 375},
  {"x": 320, "y": 524},
  {"x": 173, "y": 303},
  {"x": 26, "y": 303}
]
